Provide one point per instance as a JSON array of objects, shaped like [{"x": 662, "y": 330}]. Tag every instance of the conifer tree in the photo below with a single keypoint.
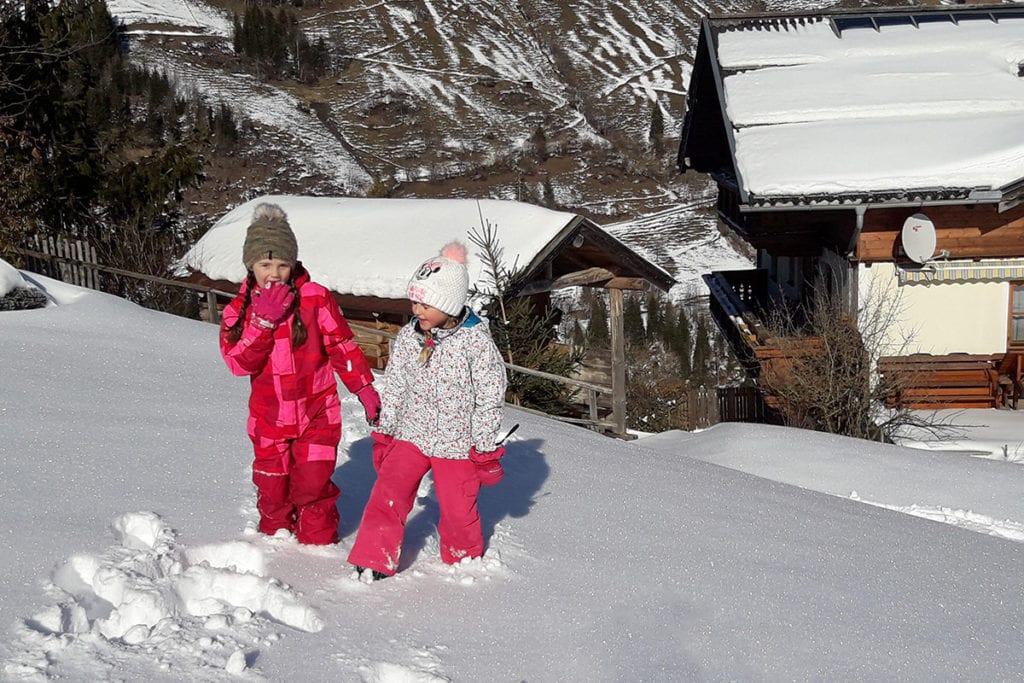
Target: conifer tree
[
  {"x": 538, "y": 144},
  {"x": 633, "y": 321},
  {"x": 702, "y": 355},
  {"x": 81, "y": 115},
  {"x": 655, "y": 317},
  {"x": 548, "y": 193},
  {"x": 681, "y": 342},
  {"x": 225, "y": 129},
  {"x": 657, "y": 130},
  {"x": 598, "y": 335},
  {"x": 524, "y": 332}
]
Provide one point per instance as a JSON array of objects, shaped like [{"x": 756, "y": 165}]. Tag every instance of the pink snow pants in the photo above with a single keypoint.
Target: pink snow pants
[
  {"x": 379, "y": 541},
  {"x": 294, "y": 490}
]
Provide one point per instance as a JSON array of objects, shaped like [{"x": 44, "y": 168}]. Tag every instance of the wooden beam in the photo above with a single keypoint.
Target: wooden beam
[
  {"x": 618, "y": 343},
  {"x": 591, "y": 277},
  {"x": 965, "y": 232},
  {"x": 966, "y": 242},
  {"x": 581, "y": 278},
  {"x": 631, "y": 283}
]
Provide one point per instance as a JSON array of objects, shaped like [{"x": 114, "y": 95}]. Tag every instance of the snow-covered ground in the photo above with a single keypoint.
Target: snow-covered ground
[{"x": 128, "y": 550}]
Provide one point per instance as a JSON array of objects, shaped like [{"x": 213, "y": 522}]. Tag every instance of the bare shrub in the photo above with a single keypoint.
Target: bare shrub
[{"x": 823, "y": 376}]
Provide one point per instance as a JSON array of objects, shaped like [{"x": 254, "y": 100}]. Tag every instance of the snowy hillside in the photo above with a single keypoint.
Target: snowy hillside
[
  {"x": 441, "y": 98},
  {"x": 129, "y": 552}
]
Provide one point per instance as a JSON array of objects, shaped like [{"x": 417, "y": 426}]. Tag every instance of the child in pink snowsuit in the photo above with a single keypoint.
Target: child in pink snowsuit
[
  {"x": 287, "y": 334},
  {"x": 442, "y": 403}
]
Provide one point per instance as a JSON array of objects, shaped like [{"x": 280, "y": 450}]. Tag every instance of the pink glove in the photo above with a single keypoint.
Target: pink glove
[
  {"x": 381, "y": 446},
  {"x": 371, "y": 403},
  {"x": 488, "y": 465},
  {"x": 271, "y": 304}
]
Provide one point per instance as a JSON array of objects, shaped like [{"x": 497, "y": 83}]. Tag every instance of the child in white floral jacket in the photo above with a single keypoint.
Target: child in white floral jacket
[{"x": 442, "y": 404}]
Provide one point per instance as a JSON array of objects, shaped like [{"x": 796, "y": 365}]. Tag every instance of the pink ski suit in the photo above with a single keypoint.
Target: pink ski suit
[{"x": 294, "y": 410}]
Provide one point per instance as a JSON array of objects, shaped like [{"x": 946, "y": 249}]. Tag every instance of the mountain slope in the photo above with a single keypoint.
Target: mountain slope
[{"x": 542, "y": 101}]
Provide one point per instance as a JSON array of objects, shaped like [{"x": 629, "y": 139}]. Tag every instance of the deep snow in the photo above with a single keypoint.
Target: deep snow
[{"x": 129, "y": 552}]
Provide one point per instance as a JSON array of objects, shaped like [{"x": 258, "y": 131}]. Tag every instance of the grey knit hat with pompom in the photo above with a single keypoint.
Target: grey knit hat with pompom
[{"x": 269, "y": 236}]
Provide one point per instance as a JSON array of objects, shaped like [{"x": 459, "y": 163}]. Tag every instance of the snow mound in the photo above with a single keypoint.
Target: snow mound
[{"x": 148, "y": 595}]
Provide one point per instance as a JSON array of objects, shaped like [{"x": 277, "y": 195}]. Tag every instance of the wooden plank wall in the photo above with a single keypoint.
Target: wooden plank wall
[{"x": 964, "y": 231}]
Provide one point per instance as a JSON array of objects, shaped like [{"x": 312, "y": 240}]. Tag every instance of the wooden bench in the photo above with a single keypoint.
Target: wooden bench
[{"x": 926, "y": 381}]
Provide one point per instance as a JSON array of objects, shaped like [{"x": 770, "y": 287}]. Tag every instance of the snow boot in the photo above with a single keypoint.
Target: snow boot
[{"x": 372, "y": 574}]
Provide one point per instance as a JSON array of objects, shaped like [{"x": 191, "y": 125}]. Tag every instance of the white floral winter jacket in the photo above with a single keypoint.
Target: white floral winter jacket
[{"x": 451, "y": 403}]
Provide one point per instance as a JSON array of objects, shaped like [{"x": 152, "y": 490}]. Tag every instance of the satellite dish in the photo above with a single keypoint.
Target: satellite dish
[{"x": 918, "y": 238}]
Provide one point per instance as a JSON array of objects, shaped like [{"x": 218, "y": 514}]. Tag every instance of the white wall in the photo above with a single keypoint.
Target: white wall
[{"x": 938, "y": 318}]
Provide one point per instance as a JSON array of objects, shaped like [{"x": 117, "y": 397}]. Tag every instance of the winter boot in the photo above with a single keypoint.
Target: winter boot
[{"x": 369, "y": 575}]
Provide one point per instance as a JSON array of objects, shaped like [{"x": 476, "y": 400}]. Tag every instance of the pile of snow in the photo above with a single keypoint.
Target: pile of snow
[{"x": 183, "y": 607}]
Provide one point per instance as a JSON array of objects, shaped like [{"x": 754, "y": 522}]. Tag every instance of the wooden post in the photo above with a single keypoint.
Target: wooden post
[
  {"x": 592, "y": 403},
  {"x": 94, "y": 275},
  {"x": 211, "y": 305},
  {"x": 77, "y": 271},
  {"x": 618, "y": 341}
]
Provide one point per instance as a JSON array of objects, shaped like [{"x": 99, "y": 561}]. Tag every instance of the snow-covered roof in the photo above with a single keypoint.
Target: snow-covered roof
[
  {"x": 882, "y": 102},
  {"x": 370, "y": 247}
]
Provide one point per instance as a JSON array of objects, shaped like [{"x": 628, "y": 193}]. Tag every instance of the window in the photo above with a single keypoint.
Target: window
[{"x": 1017, "y": 313}]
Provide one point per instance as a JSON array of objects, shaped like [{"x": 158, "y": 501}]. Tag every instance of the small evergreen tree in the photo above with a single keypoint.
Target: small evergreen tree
[
  {"x": 538, "y": 145},
  {"x": 657, "y": 130},
  {"x": 549, "y": 194},
  {"x": 655, "y": 317},
  {"x": 702, "y": 352},
  {"x": 680, "y": 343},
  {"x": 598, "y": 335},
  {"x": 633, "y": 321},
  {"x": 524, "y": 333}
]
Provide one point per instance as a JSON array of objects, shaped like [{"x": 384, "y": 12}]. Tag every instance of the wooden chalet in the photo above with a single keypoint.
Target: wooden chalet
[
  {"x": 840, "y": 142},
  {"x": 365, "y": 250}
]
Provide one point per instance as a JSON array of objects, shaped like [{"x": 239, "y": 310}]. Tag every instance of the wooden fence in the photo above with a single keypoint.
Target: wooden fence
[
  {"x": 64, "y": 260},
  {"x": 703, "y": 406},
  {"x": 59, "y": 259}
]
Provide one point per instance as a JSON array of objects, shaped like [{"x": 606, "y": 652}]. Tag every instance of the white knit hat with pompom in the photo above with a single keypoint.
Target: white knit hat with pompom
[{"x": 442, "y": 281}]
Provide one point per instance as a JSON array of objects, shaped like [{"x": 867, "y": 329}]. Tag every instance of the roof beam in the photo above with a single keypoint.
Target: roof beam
[{"x": 591, "y": 277}]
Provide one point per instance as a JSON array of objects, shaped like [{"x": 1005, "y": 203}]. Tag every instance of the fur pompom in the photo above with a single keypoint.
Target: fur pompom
[
  {"x": 270, "y": 213},
  {"x": 454, "y": 251}
]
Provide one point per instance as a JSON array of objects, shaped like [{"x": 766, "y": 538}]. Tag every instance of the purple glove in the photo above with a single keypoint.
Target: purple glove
[
  {"x": 271, "y": 304},
  {"x": 488, "y": 465},
  {"x": 381, "y": 446},
  {"x": 371, "y": 403}
]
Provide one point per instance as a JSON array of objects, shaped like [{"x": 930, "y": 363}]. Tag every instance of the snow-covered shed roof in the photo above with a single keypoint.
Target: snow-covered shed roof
[
  {"x": 891, "y": 104},
  {"x": 370, "y": 247}
]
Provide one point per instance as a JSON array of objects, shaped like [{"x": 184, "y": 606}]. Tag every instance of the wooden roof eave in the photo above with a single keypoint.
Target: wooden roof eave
[
  {"x": 716, "y": 68},
  {"x": 1012, "y": 195},
  {"x": 634, "y": 272},
  {"x": 707, "y": 142},
  {"x": 891, "y": 199}
]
